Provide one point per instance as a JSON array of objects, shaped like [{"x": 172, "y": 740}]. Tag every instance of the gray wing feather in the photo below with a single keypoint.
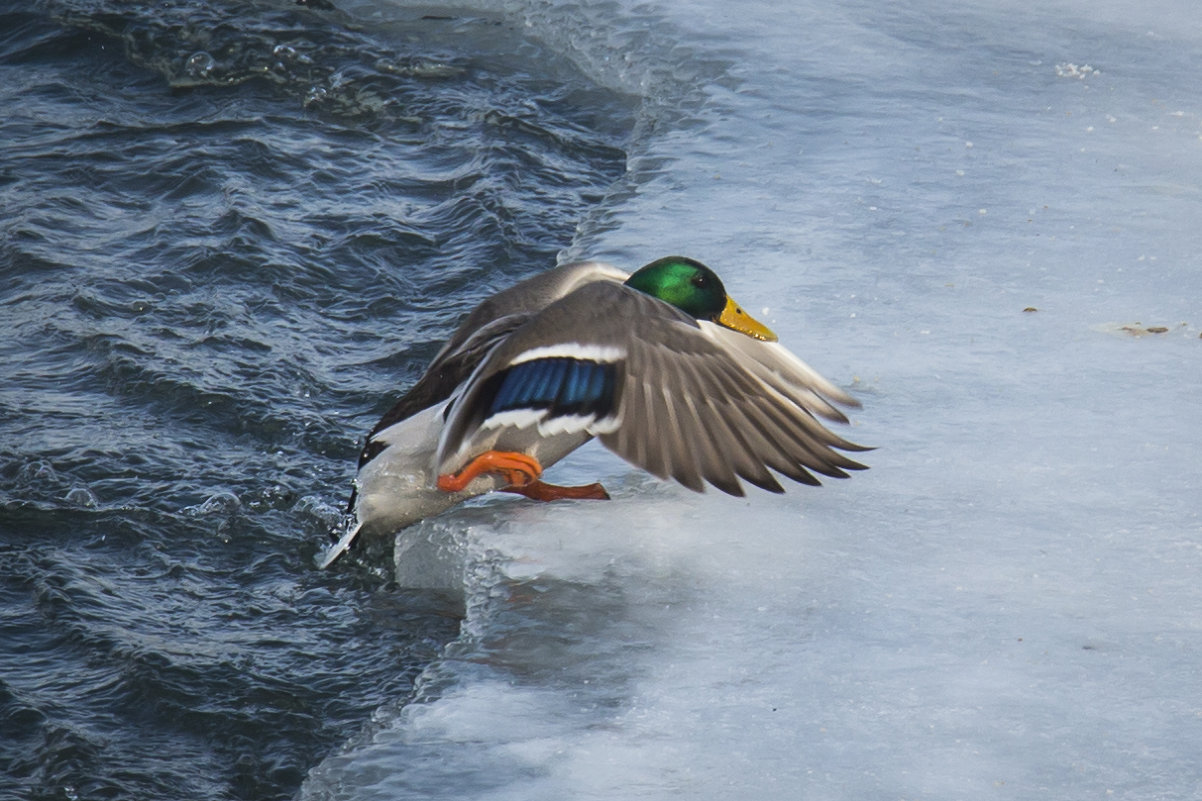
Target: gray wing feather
[
  {"x": 698, "y": 403},
  {"x": 705, "y": 403}
]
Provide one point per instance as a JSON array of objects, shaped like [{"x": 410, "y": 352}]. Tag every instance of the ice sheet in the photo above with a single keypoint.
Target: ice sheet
[{"x": 941, "y": 209}]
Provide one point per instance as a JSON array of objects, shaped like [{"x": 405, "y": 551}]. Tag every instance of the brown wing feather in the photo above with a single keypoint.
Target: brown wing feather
[{"x": 694, "y": 408}]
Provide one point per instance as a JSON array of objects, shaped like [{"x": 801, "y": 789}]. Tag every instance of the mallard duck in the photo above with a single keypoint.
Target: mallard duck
[{"x": 661, "y": 366}]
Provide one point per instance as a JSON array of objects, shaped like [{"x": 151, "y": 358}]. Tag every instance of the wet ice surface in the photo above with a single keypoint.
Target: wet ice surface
[{"x": 943, "y": 210}]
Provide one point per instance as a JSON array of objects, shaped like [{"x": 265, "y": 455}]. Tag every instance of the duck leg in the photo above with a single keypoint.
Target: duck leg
[
  {"x": 541, "y": 491},
  {"x": 517, "y": 468},
  {"x": 522, "y": 472}
]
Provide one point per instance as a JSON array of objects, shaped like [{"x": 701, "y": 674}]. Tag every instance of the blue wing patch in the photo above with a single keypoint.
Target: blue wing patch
[{"x": 560, "y": 385}]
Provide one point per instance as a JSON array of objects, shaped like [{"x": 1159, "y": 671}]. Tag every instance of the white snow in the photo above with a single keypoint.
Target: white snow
[{"x": 980, "y": 236}]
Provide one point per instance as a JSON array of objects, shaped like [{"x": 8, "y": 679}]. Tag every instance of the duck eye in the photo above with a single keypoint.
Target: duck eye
[{"x": 698, "y": 280}]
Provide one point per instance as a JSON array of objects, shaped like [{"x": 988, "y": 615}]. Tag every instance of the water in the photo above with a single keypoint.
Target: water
[{"x": 220, "y": 270}]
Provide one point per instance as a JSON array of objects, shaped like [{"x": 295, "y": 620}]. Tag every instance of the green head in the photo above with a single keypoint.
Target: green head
[
  {"x": 694, "y": 289},
  {"x": 687, "y": 284}
]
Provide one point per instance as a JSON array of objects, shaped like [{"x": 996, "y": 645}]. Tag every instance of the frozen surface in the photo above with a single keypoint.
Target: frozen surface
[{"x": 978, "y": 216}]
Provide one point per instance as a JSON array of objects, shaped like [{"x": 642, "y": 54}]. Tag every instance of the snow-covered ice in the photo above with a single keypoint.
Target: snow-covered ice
[{"x": 983, "y": 218}]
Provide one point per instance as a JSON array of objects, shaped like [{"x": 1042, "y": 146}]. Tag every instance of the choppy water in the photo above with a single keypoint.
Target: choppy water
[{"x": 231, "y": 232}]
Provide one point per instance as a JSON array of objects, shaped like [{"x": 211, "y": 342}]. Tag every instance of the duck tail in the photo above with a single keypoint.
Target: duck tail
[{"x": 328, "y": 557}]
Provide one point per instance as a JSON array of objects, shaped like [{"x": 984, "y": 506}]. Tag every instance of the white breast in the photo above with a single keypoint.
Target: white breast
[{"x": 397, "y": 487}]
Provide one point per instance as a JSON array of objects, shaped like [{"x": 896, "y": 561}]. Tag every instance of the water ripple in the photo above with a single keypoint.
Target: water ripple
[{"x": 233, "y": 232}]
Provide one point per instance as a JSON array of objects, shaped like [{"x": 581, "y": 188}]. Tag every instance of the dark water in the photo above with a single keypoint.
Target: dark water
[{"x": 230, "y": 234}]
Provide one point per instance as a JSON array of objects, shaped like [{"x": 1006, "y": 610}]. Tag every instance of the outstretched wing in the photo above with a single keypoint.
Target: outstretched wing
[
  {"x": 487, "y": 325},
  {"x": 699, "y": 406},
  {"x": 681, "y": 399}
]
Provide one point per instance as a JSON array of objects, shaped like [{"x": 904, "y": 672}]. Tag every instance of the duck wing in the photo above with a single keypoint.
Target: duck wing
[
  {"x": 679, "y": 398},
  {"x": 486, "y": 326}
]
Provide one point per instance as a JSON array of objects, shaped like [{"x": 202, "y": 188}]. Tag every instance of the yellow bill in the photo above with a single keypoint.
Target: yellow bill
[{"x": 734, "y": 318}]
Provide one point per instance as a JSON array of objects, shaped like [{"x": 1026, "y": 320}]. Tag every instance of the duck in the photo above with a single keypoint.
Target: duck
[{"x": 660, "y": 365}]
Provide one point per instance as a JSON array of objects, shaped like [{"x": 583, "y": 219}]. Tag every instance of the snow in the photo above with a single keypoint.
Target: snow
[{"x": 974, "y": 216}]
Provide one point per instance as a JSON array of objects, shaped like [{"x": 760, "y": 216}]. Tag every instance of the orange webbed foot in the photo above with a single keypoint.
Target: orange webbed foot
[{"x": 541, "y": 491}]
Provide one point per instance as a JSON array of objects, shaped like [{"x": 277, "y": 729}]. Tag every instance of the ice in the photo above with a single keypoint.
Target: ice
[{"x": 1008, "y": 604}]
